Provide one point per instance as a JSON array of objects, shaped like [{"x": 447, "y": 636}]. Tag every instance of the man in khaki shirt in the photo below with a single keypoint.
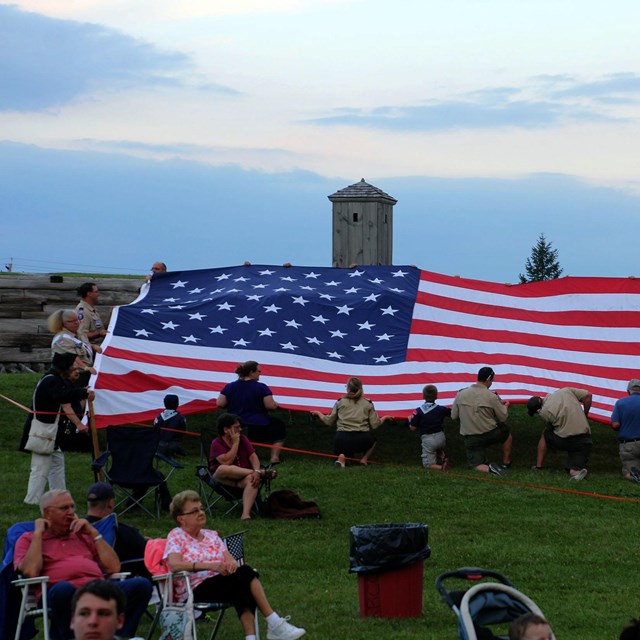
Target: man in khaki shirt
[
  {"x": 91, "y": 329},
  {"x": 483, "y": 419},
  {"x": 565, "y": 413}
]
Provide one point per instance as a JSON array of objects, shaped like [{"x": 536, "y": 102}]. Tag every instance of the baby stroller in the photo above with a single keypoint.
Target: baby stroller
[{"x": 487, "y": 608}]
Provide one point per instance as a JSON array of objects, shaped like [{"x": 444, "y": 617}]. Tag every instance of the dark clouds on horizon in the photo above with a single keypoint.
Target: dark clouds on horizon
[
  {"x": 46, "y": 62},
  {"x": 193, "y": 215}
]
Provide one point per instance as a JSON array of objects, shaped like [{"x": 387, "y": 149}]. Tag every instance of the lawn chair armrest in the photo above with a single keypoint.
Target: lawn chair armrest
[
  {"x": 99, "y": 463},
  {"x": 28, "y": 581},
  {"x": 169, "y": 461},
  {"x": 119, "y": 576}
]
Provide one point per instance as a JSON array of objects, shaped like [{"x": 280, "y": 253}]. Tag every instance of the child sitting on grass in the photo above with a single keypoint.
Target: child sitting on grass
[{"x": 428, "y": 419}]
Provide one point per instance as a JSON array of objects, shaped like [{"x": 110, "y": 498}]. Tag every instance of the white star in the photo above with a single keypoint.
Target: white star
[
  {"x": 397, "y": 290},
  {"x": 225, "y": 306},
  {"x": 170, "y": 300},
  {"x": 399, "y": 273},
  {"x": 372, "y": 297},
  {"x": 311, "y": 274},
  {"x": 169, "y": 325},
  {"x": 178, "y": 306},
  {"x": 240, "y": 343},
  {"x": 258, "y": 286},
  {"x": 272, "y": 308},
  {"x": 381, "y": 359},
  {"x": 142, "y": 332},
  {"x": 356, "y": 273},
  {"x": 366, "y": 325},
  {"x": 344, "y": 309},
  {"x": 334, "y": 354},
  {"x": 266, "y": 272},
  {"x": 352, "y": 290},
  {"x": 337, "y": 334},
  {"x": 255, "y": 298},
  {"x": 234, "y": 290},
  {"x": 320, "y": 319},
  {"x": 308, "y": 288},
  {"x": 244, "y": 319},
  {"x": 299, "y": 300},
  {"x": 178, "y": 283},
  {"x": 196, "y": 290},
  {"x": 292, "y": 323},
  {"x": 384, "y": 336},
  {"x": 326, "y": 296},
  {"x": 333, "y": 283},
  {"x": 389, "y": 311},
  {"x": 288, "y": 278},
  {"x": 196, "y": 316},
  {"x": 240, "y": 279},
  {"x": 313, "y": 340},
  {"x": 151, "y": 311},
  {"x": 224, "y": 276},
  {"x": 217, "y": 329},
  {"x": 376, "y": 281},
  {"x": 191, "y": 338},
  {"x": 266, "y": 332},
  {"x": 281, "y": 290},
  {"x": 359, "y": 347},
  {"x": 213, "y": 293},
  {"x": 288, "y": 345}
]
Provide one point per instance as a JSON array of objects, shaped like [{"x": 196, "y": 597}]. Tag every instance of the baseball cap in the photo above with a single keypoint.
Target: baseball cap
[
  {"x": 533, "y": 405},
  {"x": 633, "y": 384},
  {"x": 486, "y": 373},
  {"x": 100, "y": 491}
]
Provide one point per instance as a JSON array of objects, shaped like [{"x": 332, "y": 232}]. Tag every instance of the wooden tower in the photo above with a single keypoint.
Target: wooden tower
[{"x": 362, "y": 225}]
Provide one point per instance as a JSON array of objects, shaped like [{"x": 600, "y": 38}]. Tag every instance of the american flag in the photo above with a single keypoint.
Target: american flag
[{"x": 397, "y": 328}]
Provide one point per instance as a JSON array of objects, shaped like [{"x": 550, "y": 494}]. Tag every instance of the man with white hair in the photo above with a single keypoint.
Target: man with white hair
[{"x": 625, "y": 420}]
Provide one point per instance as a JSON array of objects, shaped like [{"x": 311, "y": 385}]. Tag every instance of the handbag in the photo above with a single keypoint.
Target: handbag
[
  {"x": 42, "y": 435},
  {"x": 177, "y": 620}
]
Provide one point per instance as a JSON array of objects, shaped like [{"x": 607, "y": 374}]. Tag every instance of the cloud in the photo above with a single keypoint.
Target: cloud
[
  {"x": 550, "y": 100},
  {"x": 46, "y": 62},
  {"x": 193, "y": 215}
]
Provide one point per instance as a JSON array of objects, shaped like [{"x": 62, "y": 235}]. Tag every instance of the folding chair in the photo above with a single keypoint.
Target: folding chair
[
  {"x": 211, "y": 491},
  {"x": 19, "y": 602},
  {"x": 131, "y": 464},
  {"x": 235, "y": 546}
]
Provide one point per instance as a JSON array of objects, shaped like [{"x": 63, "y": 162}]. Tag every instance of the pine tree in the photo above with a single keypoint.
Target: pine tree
[{"x": 542, "y": 264}]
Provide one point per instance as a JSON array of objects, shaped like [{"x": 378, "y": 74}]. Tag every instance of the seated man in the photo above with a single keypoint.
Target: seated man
[
  {"x": 72, "y": 552},
  {"x": 97, "y": 611},
  {"x": 130, "y": 543},
  {"x": 233, "y": 461},
  {"x": 565, "y": 413}
]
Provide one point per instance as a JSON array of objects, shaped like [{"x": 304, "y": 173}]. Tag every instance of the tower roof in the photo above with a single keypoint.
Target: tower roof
[{"x": 362, "y": 191}]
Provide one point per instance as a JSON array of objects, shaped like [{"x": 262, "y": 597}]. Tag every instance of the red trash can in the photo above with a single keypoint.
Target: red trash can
[{"x": 389, "y": 561}]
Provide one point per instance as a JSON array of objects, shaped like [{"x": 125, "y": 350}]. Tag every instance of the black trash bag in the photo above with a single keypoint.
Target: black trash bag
[{"x": 378, "y": 547}]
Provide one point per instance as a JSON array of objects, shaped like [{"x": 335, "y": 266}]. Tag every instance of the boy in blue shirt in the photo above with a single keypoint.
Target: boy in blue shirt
[
  {"x": 170, "y": 441},
  {"x": 428, "y": 419}
]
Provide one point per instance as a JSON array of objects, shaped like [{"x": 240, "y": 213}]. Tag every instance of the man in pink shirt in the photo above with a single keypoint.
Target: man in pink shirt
[{"x": 72, "y": 552}]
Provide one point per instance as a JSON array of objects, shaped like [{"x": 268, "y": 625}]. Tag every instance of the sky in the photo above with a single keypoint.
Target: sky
[{"x": 205, "y": 133}]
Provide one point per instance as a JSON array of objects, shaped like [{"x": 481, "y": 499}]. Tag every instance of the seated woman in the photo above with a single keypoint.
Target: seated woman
[
  {"x": 355, "y": 417},
  {"x": 215, "y": 575},
  {"x": 252, "y": 400},
  {"x": 233, "y": 461}
]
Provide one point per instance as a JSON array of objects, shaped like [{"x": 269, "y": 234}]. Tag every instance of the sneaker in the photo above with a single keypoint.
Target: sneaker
[
  {"x": 536, "y": 468},
  {"x": 634, "y": 474},
  {"x": 496, "y": 470},
  {"x": 581, "y": 475},
  {"x": 285, "y": 631},
  {"x": 341, "y": 461}
]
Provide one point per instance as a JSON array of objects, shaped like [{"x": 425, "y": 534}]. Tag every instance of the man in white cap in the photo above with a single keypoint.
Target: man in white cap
[{"x": 625, "y": 420}]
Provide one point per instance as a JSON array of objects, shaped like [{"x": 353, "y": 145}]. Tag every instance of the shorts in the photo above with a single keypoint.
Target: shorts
[
  {"x": 275, "y": 431},
  {"x": 477, "y": 443},
  {"x": 351, "y": 443},
  {"x": 431, "y": 444},
  {"x": 629, "y": 456},
  {"x": 578, "y": 448}
]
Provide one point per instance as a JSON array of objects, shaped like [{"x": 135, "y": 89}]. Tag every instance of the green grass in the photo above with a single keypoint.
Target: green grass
[{"x": 574, "y": 554}]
